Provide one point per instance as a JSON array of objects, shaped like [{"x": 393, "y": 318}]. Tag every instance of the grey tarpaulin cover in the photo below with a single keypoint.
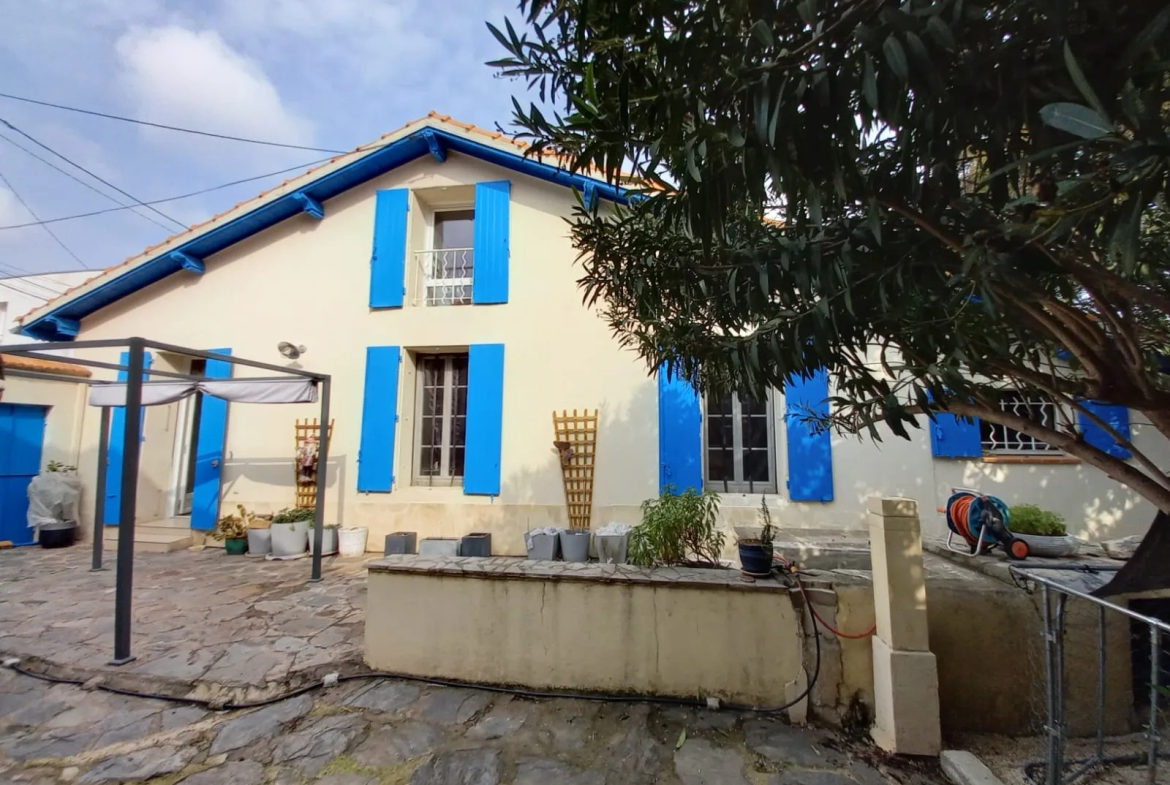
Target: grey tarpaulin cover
[
  {"x": 53, "y": 497},
  {"x": 236, "y": 390}
]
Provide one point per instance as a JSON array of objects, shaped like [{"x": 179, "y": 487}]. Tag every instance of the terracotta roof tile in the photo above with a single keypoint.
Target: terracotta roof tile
[{"x": 44, "y": 366}]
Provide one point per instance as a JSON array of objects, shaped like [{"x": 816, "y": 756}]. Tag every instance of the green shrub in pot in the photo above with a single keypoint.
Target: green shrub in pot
[
  {"x": 1030, "y": 519},
  {"x": 678, "y": 529}
]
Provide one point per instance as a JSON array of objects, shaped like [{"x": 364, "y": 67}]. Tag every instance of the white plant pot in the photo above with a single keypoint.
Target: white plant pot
[
  {"x": 328, "y": 540},
  {"x": 353, "y": 540},
  {"x": 1050, "y": 547},
  {"x": 259, "y": 542},
  {"x": 290, "y": 539}
]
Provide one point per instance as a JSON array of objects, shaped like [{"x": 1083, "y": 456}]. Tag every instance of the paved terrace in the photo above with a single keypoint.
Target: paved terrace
[{"x": 205, "y": 622}]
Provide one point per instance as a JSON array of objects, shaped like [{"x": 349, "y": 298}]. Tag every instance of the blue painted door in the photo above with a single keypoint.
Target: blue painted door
[
  {"x": 209, "y": 449},
  {"x": 22, "y": 432}
]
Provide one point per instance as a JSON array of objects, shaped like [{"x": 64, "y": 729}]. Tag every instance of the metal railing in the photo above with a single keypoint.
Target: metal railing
[
  {"x": 1004, "y": 440},
  {"x": 1057, "y": 768},
  {"x": 446, "y": 276}
]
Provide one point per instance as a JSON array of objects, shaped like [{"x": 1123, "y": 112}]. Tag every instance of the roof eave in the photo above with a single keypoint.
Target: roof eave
[{"x": 60, "y": 322}]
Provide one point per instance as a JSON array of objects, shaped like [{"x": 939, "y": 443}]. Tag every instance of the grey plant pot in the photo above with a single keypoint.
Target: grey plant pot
[
  {"x": 575, "y": 545},
  {"x": 611, "y": 548},
  {"x": 1050, "y": 547},
  {"x": 438, "y": 546},
  {"x": 544, "y": 547},
  {"x": 259, "y": 542},
  {"x": 401, "y": 543},
  {"x": 476, "y": 544},
  {"x": 290, "y": 539},
  {"x": 328, "y": 540}
]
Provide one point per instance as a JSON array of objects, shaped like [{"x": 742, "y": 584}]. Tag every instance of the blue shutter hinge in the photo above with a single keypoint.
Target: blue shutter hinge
[
  {"x": 396, "y": 418},
  {"x": 359, "y": 458}
]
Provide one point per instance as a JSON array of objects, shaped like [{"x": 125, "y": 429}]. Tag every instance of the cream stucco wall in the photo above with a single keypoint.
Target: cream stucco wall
[
  {"x": 625, "y": 637},
  {"x": 307, "y": 282},
  {"x": 64, "y": 401}
]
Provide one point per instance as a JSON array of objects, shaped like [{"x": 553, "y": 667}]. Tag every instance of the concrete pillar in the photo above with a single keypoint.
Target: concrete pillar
[{"x": 905, "y": 675}]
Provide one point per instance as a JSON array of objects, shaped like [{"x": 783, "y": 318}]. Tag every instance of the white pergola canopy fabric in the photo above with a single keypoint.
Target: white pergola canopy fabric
[{"x": 158, "y": 393}]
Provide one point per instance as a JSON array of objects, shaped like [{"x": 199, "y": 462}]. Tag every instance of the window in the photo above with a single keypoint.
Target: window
[
  {"x": 448, "y": 267},
  {"x": 739, "y": 445},
  {"x": 1002, "y": 440},
  {"x": 441, "y": 421}
]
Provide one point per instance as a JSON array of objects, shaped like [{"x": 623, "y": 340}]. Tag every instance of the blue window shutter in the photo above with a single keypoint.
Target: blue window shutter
[
  {"x": 680, "y": 434},
  {"x": 388, "y": 264},
  {"x": 379, "y": 420},
  {"x": 492, "y": 207},
  {"x": 810, "y": 449},
  {"x": 485, "y": 419},
  {"x": 952, "y": 436},
  {"x": 1118, "y": 419},
  {"x": 117, "y": 439},
  {"x": 209, "y": 449}
]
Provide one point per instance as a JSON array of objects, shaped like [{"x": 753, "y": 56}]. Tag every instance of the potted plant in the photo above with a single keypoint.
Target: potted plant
[
  {"x": 1043, "y": 530},
  {"x": 678, "y": 529},
  {"x": 260, "y": 535},
  {"x": 328, "y": 539},
  {"x": 290, "y": 531},
  {"x": 232, "y": 530},
  {"x": 53, "y": 497},
  {"x": 755, "y": 553}
]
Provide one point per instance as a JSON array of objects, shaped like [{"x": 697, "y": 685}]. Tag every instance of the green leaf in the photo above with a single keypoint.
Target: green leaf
[
  {"x": 762, "y": 33},
  {"x": 896, "y": 57},
  {"x": 1078, "y": 77},
  {"x": 1076, "y": 119},
  {"x": 869, "y": 83},
  {"x": 941, "y": 31}
]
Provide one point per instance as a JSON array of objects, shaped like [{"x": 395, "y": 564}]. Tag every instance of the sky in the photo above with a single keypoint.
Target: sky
[{"x": 322, "y": 73}]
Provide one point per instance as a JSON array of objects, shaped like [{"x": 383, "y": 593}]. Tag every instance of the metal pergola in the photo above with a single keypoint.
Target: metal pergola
[{"x": 132, "y": 445}]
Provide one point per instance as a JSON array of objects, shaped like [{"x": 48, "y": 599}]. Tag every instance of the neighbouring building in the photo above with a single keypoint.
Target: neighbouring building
[{"x": 432, "y": 275}]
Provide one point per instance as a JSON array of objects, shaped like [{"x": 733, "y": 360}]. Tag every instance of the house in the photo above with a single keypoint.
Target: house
[
  {"x": 430, "y": 273},
  {"x": 20, "y": 294}
]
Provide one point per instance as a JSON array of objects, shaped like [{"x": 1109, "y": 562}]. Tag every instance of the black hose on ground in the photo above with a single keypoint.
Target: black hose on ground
[{"x": 515, "y": 691}]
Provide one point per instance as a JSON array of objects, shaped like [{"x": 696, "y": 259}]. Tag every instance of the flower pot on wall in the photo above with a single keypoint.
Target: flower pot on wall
[
  {"x": 328, "y": 540},
  {"x": 575, "y": 544},
  {"x": 236, "y": 546},
  {"x": 290, "y": 539},
  {"x": 401, "y": 543},
  {"x": 438, "y": 546},
  {"x": 542, "y": 546},
  {"x": 476, "y": 544},
  {"x": 755, "y": 558},
  {"x": 259, "y": 542},
  {"x": 611, "y": 548}
]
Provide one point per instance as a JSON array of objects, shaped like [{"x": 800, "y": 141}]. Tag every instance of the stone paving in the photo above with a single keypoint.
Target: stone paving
[
  {"x": 367, "y": 732},
  {"x": 226, "y": 622}
]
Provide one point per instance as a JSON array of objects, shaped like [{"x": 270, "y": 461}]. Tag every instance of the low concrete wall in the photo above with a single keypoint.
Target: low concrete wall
[{"x": 605, "y": 628}]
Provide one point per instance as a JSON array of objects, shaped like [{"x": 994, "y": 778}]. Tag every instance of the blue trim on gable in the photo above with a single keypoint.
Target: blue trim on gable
[{"x": 321, "y": 190}]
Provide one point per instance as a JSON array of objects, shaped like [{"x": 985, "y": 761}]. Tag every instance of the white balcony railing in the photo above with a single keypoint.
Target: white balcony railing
[{"x": 446, "y": 275}]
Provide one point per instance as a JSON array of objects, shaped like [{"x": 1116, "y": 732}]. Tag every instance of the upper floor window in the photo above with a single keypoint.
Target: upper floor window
[
  {"x": 739, "y": 445},
  {"x": 1004, "y": 440},
  {"x": 441, "y": 430},
  {"x": 447, "y": 267}
]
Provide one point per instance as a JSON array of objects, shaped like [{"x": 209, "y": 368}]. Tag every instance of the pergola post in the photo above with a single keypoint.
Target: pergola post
[
  {"x": 99, "y": 503},
  {"x": 131, "y": 450},
  {"x": 322, "y": 481}
]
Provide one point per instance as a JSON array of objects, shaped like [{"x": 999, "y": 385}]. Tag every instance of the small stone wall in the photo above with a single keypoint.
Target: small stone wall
[{"x": 606, "y": 628}]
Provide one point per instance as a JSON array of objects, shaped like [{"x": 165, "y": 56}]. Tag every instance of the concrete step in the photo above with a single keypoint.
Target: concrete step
[{"x": 153, "y": 539}]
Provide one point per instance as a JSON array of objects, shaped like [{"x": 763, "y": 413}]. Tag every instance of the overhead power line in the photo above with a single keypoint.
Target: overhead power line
[
  {"x": 107, "y": 183},
  {"x": 52, "y": 234},
  {"x": 170, "y": 127},
  {"x": 160, "y": 201}
]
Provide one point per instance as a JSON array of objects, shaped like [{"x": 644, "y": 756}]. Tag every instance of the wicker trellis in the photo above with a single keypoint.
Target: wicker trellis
[
  {"x": 576, "y": 443},
  {"x": 307, "y": 491}
]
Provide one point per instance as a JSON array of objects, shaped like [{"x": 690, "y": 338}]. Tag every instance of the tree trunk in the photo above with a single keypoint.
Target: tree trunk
[{"x": 1147, "y": 570}]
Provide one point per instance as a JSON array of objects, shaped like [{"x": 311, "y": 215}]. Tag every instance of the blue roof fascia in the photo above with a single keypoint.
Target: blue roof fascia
[{"x": 391, "y": 156}]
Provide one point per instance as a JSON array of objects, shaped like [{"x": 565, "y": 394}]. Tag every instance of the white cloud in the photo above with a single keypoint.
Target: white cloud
[
  {"x": 11, "y": 211},
  {"x": 195, "y": 80}
]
